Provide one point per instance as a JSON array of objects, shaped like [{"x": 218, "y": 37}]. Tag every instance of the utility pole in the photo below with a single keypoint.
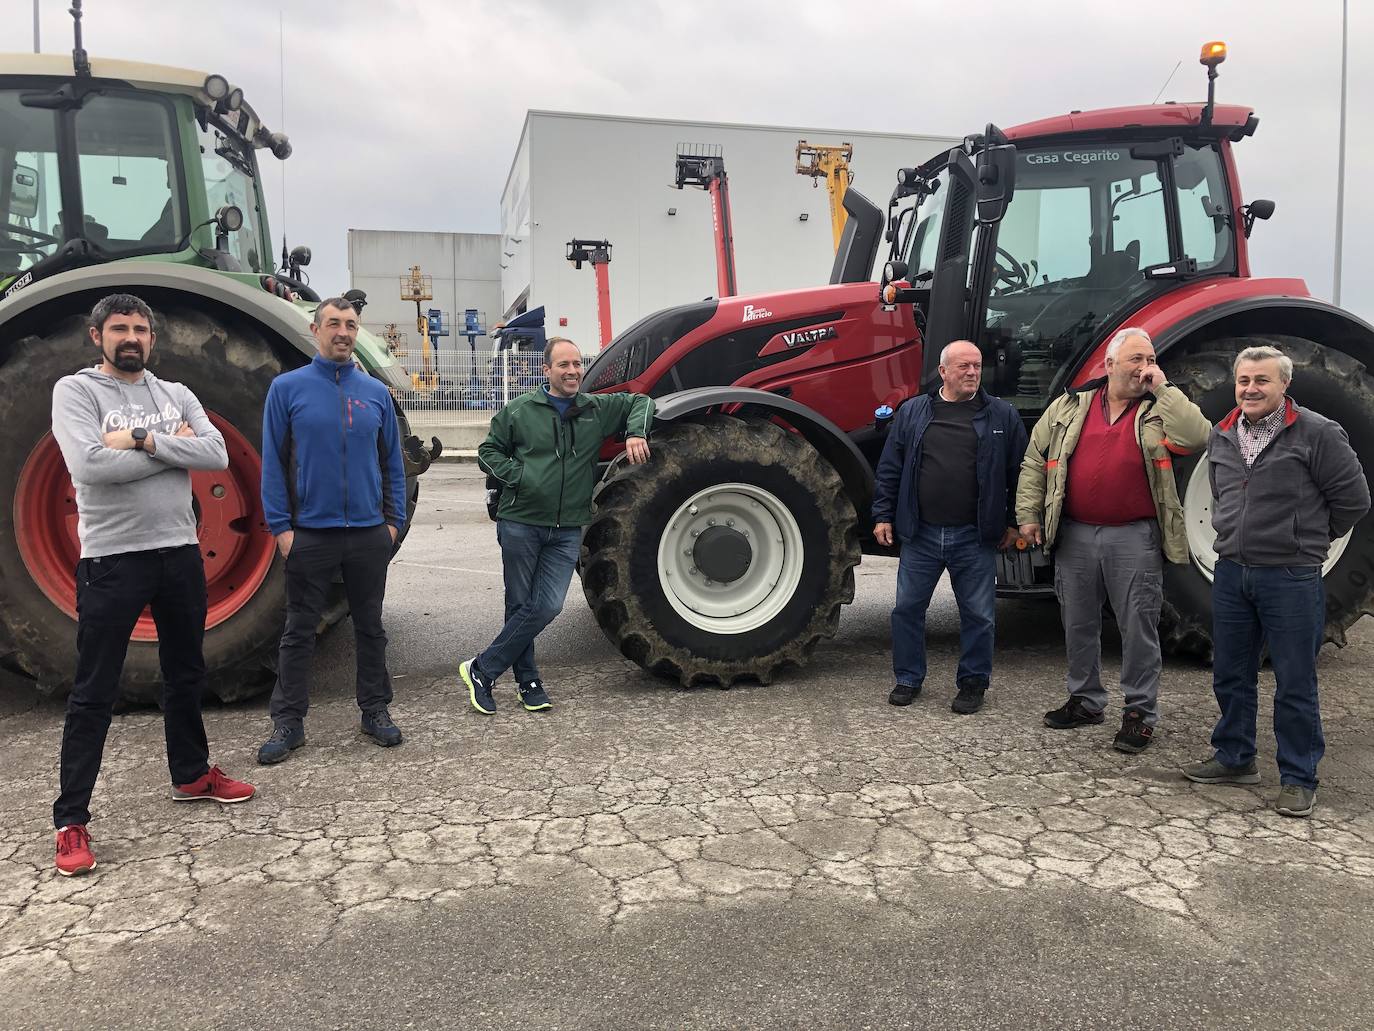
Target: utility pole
[{"x": 1340, "y": 159}]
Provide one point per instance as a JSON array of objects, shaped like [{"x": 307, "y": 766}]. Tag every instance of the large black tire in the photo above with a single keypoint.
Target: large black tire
[
  {"x": 229, "y": 367},
  {"x": 633, "y": 506},
  {"x": 1325, "y": 380}
]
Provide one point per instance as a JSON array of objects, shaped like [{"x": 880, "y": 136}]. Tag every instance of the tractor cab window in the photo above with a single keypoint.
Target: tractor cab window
[
  {"x": 1203, "y": 207},
  {"x": 30, "y": 197},
  {"x": 923, "y": 238},
  {"x": 130, "y": 183},
  {"x": 230, "y": 178},
  {"x": 1082, "y": 224}
]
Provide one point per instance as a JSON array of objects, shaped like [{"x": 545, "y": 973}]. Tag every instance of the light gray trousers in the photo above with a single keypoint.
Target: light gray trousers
[{"x": 1122, "y": 565}]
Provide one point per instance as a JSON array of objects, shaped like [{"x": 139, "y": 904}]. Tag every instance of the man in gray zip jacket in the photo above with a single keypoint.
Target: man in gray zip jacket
[
  {"x": 1285, "y": 484},
  {"x": 130, "y": 441}
]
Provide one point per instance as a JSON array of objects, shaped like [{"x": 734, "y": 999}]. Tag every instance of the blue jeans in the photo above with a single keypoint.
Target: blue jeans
[
  {"x": 1284, "y": 606},
  {"x": 538, "y": 563},
  {"x": 972, "y": 569}
]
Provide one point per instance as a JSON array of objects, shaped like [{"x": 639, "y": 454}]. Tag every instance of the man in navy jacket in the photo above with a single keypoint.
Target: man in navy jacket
[
  {"x": 947, "y": 481},
  {"x": 333, "y": 490}
]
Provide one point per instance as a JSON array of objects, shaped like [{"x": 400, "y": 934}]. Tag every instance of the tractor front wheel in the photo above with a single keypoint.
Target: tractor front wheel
[{"x": 726, "y": 557}]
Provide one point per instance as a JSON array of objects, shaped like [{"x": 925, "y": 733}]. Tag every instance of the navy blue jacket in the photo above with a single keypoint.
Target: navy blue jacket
[
  {"x": 331, "y": 450},
  {"x": 1001, "y": 446}
]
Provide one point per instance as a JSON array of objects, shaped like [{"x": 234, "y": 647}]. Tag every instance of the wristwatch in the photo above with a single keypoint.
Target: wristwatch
[{"x": 140, "y": 434}]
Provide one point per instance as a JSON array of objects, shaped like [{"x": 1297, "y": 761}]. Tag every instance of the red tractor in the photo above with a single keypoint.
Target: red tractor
[{"x": 730, "y": 555}]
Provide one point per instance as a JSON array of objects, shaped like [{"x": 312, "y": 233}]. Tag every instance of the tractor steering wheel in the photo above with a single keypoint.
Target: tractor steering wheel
[{"x": 1011, "y": 274}]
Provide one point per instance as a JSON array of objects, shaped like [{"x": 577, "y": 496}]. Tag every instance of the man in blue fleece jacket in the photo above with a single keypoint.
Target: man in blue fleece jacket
[{"x": 333, "y": 490}]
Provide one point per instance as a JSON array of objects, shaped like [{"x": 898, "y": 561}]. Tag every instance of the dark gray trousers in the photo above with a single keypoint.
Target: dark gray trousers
[{"x": 1122, "y": 565}]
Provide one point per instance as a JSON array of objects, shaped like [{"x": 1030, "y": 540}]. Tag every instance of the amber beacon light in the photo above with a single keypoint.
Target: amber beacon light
[{"x": 1213, "y": 53}]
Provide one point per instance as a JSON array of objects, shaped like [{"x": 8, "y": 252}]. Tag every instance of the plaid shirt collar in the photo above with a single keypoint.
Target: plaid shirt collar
[
  {"x": 1269, "y": 424},
  {"x": 1254, "y": 437}
]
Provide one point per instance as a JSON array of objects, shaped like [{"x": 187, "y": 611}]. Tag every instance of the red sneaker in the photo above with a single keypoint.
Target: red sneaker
[
  {"x": 74, "y": 853},
  {"x": 215, "y": 787}
]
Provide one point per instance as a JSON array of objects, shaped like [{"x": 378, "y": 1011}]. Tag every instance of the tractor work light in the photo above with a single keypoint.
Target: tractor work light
[
  {"x": 233, "y": 101},
  {"x": 216, "y": 87},
  {"x": 230, "y": 218},
  {"x": 1213, "y": 53}
]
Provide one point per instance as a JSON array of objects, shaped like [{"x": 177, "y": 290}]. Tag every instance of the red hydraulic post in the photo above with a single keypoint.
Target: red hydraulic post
[
  {"x": 603, "y": 298},
  {"x": 598, "y": 254},
  {"x": 725, "y": 236},
  {"x": 702, "y": 166}
]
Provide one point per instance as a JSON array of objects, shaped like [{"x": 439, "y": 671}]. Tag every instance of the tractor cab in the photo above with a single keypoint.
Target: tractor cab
[
  {"x": 127, "y": 161},
  {"x": 1038, "y": 241}
]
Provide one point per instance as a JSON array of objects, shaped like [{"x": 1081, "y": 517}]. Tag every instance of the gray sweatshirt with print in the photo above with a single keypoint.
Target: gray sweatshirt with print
[{"x": 129, "y": 500}]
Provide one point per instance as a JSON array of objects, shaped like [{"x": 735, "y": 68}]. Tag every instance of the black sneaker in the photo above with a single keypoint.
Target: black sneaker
[
  {"x": 1071, "y": 714},
  {"x": 1135, "y": 735},
  {"x": 283, "y": 742},
  {"x": 479, "y": 688},
  {"x": 378, "y": 726},
  {"x": 970, "y": 697},
  {"x": 533, "y": 696},
  {"x": 903, "y": 694}
]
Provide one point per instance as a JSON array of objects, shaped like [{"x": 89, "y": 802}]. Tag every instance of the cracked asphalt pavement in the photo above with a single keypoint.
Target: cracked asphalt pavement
[{"x": 798, "y": 855}]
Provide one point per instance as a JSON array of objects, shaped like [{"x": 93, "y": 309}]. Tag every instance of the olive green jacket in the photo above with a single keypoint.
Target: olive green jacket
[{"x": 1166, "y": 424}]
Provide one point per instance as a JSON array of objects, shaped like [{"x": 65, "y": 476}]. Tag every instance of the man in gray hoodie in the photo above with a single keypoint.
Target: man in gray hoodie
[{"x": 130, "y": 441}]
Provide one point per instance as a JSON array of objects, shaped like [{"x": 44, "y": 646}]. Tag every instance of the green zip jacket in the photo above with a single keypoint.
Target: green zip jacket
[{"x": 548, "y": 464}]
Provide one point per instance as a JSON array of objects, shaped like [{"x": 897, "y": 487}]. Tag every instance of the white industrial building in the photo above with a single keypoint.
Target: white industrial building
[
  {"x": 464, "y": 271},
  {"x": 602, "y": 177}
]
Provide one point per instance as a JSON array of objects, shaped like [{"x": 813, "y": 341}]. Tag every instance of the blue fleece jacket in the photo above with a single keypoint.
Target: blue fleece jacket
[{"x": 331, "y": 450}]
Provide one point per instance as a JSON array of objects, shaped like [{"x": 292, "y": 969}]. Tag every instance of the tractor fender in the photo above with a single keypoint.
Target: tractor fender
[
  {"x": 827, "y": 438},
  {"x": 1275, "y": 314},
  {"x": 29, "y": 310}
]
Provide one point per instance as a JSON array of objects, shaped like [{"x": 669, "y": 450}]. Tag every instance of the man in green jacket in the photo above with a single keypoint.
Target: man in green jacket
[
  {"x": 543, "y": 447},
  {"x": 1097, "y": 486}
]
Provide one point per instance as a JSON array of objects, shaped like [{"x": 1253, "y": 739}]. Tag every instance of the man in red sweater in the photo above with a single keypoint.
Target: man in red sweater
[{"x": 1097, "y": 486}]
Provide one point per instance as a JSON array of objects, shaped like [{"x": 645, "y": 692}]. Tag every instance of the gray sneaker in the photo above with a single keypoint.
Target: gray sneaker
[
  {"x": 1296, "y": 800},
  {"x": 1211, "y": 771}
]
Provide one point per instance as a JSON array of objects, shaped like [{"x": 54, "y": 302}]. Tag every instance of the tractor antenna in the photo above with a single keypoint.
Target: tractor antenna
[
  {"x": 1166, "y": 83},
  {"x": 281, "y": 59},
  {"x": 80, "y": 61}
]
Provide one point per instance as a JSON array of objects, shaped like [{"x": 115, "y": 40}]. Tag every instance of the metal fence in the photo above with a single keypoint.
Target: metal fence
[{"x": 464, "y": 387}]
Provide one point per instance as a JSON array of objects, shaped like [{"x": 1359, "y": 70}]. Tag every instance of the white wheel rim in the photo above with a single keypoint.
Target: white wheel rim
[
  {"x": 1202, "y": 539},
  {"x": 766, "y": 586}
]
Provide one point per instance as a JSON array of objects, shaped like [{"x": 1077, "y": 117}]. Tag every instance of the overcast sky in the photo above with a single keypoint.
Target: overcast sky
[{"x": 405, "y": 114}]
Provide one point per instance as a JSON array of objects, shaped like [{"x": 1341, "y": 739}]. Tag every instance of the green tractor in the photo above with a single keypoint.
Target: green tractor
[{"x": 144, "y": 179}]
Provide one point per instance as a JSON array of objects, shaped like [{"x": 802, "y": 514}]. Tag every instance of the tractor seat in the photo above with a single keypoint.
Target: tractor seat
[{"x": 1115, "y": 268}]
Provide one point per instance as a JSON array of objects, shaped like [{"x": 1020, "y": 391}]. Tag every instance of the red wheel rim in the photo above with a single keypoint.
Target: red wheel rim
[{"x": 234, "y": 540}]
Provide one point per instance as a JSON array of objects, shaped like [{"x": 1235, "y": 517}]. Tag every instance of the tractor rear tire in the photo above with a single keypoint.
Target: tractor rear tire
[
  {"x": 1329, "y": 382},
  {"x": 768, "y": 518},
  {"x": 229, "y": 368}
]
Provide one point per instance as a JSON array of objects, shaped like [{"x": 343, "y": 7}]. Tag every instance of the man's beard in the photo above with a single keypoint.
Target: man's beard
[{"x": 128, "y": 361}]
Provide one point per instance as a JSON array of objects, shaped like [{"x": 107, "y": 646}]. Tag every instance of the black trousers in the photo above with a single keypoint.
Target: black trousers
[
  {"x": 111, "y": 593},
  {"x": 363, "y": 554}
]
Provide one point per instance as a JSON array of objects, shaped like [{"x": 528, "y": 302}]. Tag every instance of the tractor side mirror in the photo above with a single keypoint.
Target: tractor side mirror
[
  {"x": 24, "y": 192},
  {"x": 1256, "y": 209},
  {"x": 996, "y": 182}
]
